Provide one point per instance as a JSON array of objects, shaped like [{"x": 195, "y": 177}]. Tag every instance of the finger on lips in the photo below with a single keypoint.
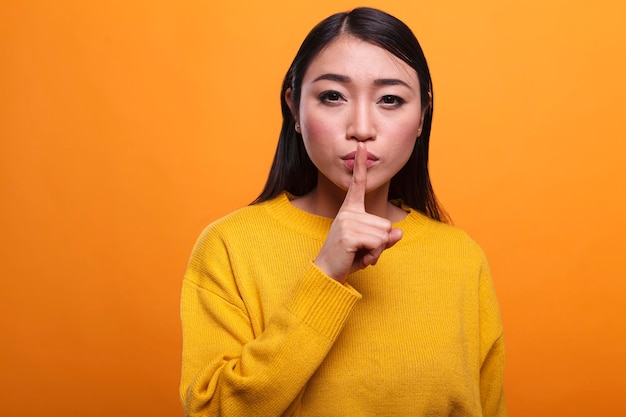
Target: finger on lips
[{"x": 355, "y": 196}]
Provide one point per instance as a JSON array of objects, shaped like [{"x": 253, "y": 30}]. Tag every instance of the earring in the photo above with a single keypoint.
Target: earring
[{"x": 298, "y": 127}]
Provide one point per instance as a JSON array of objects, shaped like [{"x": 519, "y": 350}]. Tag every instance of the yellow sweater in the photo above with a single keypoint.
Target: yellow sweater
[{"x": 266, "y": 333}]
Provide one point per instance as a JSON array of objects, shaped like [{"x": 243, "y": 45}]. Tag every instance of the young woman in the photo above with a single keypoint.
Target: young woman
[{"x": 341, "y": 291}]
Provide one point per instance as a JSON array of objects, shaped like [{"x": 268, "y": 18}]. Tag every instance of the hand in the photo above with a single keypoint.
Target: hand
[{"x": 356, "y": 238}]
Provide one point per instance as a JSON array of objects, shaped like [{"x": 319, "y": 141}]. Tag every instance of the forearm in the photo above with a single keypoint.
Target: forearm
[{"x": 227, "y": 371}]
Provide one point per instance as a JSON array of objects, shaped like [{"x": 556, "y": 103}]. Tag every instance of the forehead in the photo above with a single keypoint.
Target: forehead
[{"x": 361, "y": 61}]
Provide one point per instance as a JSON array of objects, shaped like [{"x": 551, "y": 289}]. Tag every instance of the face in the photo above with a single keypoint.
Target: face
[{"x": 355, "y": 91}]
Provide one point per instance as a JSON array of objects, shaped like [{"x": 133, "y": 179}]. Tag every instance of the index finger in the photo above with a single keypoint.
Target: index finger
[{"x": 355, "y": 197}]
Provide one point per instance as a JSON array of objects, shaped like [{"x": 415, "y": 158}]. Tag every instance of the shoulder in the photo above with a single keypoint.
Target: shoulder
[
  {"x": 241, "y": 216},
  {"x": 442, "y": 238},
  {"x": 435, "y": 229},
  {"x": 238, "y": 224},
  {"x": 254, "y": 223},
  {"x": 452, "y": 233},
  {"x": 235, "y": 232}
]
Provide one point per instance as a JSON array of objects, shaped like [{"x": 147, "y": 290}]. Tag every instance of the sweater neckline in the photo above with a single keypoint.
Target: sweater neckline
[{"x": 284, "y": 212}]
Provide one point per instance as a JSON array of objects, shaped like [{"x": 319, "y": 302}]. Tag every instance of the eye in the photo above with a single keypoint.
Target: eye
[
  {"x": 331, "y": 97},
  {"x": 391, "y": 101}
]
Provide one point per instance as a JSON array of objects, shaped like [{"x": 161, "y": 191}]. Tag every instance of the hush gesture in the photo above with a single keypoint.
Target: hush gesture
[{"x": 356, "y": 238}]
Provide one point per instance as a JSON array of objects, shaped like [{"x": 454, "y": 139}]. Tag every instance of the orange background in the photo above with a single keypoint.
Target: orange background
[{"x": 127, "y": 126}]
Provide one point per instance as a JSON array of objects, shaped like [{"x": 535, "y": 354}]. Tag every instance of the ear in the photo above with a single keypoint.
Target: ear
[
  {"x": 289, "y": 101},
  {"x": 424, "y": 110}
]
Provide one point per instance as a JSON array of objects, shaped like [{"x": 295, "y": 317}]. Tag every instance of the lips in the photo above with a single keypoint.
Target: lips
[
  {"x": 348, "y": 159},
  {"x": 352, "y": 155}
]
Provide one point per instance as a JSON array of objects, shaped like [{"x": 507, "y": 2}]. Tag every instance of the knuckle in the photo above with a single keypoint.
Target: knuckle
[{"x": 384, "y": 237}]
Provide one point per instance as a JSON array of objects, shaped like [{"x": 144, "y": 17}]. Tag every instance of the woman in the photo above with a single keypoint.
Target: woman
[{"x": 341, "y": 291}]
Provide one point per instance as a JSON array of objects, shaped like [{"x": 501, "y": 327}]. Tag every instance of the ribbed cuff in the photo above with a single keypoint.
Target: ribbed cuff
[{"x": 322, "y": 303}]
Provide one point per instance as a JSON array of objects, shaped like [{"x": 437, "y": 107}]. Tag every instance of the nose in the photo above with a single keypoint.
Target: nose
[{"x": 361, "y": 125}]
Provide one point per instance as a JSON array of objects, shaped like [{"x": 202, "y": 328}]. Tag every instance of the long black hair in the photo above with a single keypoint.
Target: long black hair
[{"x": 292, "y": 169}]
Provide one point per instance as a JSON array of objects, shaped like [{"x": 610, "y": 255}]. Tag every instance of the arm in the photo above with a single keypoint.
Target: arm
[
  {"x": 491, "y": 349},
  {"x": 492, "y": 381},
  {"x": 227, "y": 369}
]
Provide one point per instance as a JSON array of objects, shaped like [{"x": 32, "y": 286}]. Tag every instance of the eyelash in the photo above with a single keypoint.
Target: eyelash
[
  {"x": 397, "y": 101},
  {"x": 332, "y": 97},
  {"x": 325, "y": 97}
]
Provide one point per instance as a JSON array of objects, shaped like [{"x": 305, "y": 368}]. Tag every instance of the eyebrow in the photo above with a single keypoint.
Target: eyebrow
[
  {"x": 344, "y": 79},
  {"x": 333, "y": 77}
]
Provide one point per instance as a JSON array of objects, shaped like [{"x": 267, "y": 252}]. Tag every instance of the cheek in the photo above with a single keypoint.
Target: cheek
[
  {"x": 408, "y": 129},
  {"x": 404, "y": 134},
  {"x": 403, "y": 152},
  {"x": 316, "y": 127},
  {"x": 401, "y": 146},
  {"x": 319, "y": 132}
]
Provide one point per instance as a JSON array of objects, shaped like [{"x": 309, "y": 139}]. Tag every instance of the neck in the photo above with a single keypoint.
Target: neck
[{"x": 326, "y": 199}]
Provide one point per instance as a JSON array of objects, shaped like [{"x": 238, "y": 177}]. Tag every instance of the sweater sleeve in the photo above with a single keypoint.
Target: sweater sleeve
[
  {"x": 491, "y": 349},
  {"x": 227, "y": 370}
]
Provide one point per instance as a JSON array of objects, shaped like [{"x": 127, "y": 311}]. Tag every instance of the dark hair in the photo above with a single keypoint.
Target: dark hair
[{"x": 292, "y": 169}]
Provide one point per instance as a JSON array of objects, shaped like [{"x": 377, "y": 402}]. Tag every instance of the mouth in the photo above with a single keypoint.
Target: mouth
[
  {"x": 348, "y": 159},
  {"x": 352, "y": 155}
]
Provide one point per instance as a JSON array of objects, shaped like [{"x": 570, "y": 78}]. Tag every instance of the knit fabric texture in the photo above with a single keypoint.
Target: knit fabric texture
[{"x": 267, "y": 333}]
